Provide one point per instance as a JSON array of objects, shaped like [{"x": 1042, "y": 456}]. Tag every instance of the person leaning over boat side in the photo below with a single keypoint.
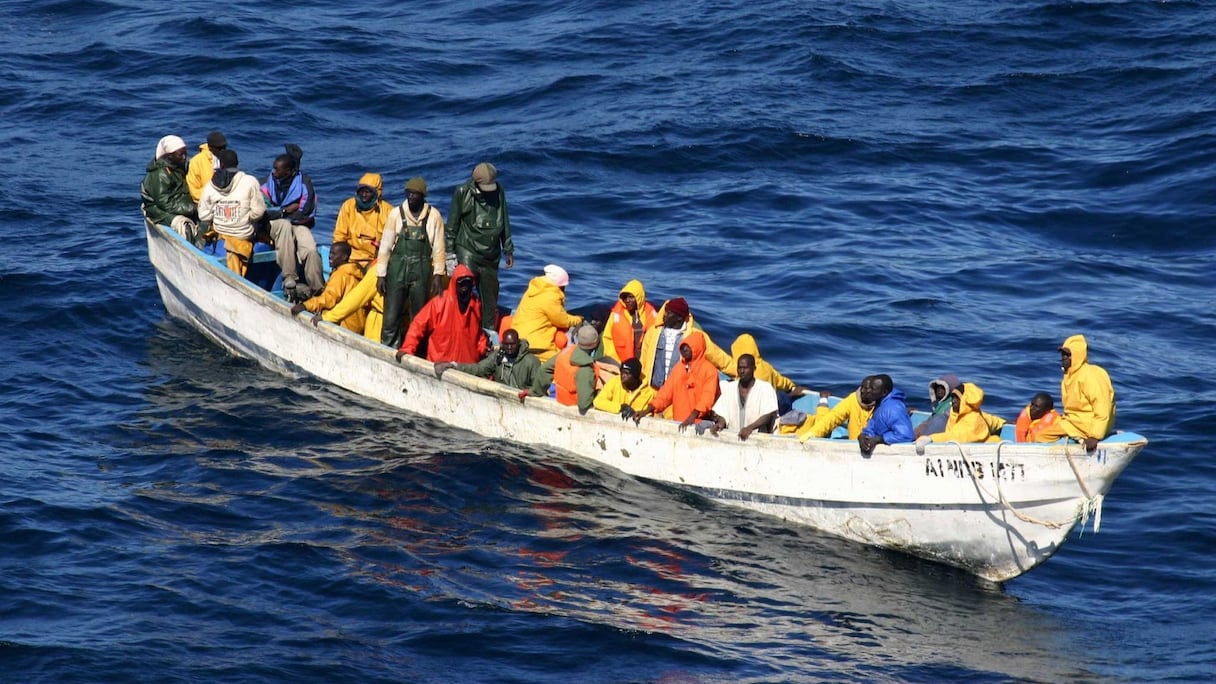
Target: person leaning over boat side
[
  {"x": 746, "y": 403},
  {"x": 1038, "y": 415},
  {"x": 232, "y": 205},
  {"x": 361, "y": 219},
  {"x": 890, "y": 423},
  {"x": 511, "y": 365},
  {"x": 940, "y": 403},
  {"x": 661, "y": 344},
  {"x": 573, "y": 370},
  {"x": 627, "y": 393},
  {"x": 344, "y": 276},
  {"x": 966, "y": 423},
  {"x": 690, "y": 389},
  {"x": 787, "y": 390},
  {"x": 541, "y": 312},
  {"x": 851, "y": 410},
  {"x": 450, "y": 324},
  {"x": 362, "y": 301},
  {"x": 204, "y": 163},
  {"x": 479, "y": 234},
  {"x": 631, "y": 316},
  {"x": 1087, "y": 396},
  {"x": 165, "y": 198},
  {"x": 291, "y": 214},
  {"x": 410, "y": 268}
]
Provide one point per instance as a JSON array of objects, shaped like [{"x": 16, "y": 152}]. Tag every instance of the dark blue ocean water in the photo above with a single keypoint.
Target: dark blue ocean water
[{"x": 902, "y": 187}]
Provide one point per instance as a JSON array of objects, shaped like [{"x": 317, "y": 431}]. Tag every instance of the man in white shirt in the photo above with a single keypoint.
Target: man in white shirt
[{"x": 746, "y": 404}]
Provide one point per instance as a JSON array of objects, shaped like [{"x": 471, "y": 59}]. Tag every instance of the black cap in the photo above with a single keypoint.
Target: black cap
[{"x": 216, "y": 140}]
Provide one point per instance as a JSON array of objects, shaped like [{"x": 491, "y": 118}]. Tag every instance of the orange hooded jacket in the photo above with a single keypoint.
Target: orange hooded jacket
[{"x": 691, "y": 386}]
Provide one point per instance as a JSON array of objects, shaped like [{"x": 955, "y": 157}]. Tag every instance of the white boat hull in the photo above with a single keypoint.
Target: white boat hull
[{"x": 995, "y": 510}]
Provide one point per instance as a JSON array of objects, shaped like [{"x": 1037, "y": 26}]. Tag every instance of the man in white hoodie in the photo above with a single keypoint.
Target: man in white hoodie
[{"x": 232, "y": 203}]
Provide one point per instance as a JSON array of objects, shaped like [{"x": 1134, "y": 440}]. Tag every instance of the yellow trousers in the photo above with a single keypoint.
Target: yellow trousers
[{"x": 239, "y": 253}]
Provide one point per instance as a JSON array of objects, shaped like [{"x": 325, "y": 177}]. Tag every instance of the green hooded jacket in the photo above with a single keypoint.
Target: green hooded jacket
[
  {"x": 478, "y": 225},
  {"x": 165, "y": 194}
]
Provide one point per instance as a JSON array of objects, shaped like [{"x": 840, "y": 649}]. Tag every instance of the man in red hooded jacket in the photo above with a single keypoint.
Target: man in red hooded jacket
[
  {"x": 691, "y": 388},
  {"x": 450, "y": 324}
]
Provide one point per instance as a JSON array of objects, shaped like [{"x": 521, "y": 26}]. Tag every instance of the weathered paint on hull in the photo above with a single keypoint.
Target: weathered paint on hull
[{"x": 944, "y": 504}]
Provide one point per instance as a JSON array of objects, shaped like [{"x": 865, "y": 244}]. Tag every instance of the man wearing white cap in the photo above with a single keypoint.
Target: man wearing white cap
[
  {"x": 166, "y": 199},
  {"x": 479, "y": 234},
  {"x": 541, "y": 313}
]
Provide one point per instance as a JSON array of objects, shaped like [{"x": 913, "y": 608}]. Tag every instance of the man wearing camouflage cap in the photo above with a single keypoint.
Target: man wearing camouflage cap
[{"x": 479, "y": 234}]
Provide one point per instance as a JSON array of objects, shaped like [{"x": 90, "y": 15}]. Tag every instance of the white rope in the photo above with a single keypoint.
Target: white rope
[{"x": 1090, "y": 503}]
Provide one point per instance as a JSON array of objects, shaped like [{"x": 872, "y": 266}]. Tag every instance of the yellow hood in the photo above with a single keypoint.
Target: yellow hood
[
  {"x": 744, "y": 344},
  {"x": 374, "y": 181},
  {"x": 971, "y": 398},
  {"x": 634, "y": 287},
  {"x": 1080, "y": 352}
]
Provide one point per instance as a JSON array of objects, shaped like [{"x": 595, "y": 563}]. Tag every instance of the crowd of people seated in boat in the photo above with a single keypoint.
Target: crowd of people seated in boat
[{"x": 402, "y": 276}]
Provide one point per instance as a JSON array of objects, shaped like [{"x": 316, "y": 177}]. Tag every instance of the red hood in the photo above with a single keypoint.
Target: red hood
[{"x": 460, "y": 272}]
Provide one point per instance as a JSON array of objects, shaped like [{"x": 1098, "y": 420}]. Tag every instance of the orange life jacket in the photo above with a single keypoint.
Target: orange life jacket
[
  {"x": 1025, "y": 432},
  {"x": 622, "y": 328},
  {"x": 563, "y": 376}
]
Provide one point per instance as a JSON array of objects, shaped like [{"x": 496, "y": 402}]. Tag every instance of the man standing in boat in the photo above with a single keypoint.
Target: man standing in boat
[
  {"x": 449, "y": 326},
  {"x": 1087, "y": 395},
  {"x": 890, "y": 423},
  {"x": 410, "y": 262},
  {"x": 479, "y": 234}
]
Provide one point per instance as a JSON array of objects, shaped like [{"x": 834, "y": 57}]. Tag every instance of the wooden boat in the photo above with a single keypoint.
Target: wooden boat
[{"x": 995, "y": 510}]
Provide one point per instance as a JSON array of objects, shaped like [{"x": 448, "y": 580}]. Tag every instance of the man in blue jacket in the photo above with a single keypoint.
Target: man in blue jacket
[
  {"x": 291, "y": 213},
  {"x": 890, "y": 423}
]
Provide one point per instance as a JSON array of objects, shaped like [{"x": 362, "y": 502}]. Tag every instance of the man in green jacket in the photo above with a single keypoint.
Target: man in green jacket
[
  {"x": 512, "y": 365},
  {"x": 166, "y": 199},
  {"x": 479, "y": 234}
]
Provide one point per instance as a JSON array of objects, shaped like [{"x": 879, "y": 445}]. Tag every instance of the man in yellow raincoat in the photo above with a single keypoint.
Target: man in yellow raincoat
[
  {"x": 541, "y": 313},
  {"x": 361, "y": 219}
]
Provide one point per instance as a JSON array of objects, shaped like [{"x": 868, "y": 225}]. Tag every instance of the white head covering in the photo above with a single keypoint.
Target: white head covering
[
  {"x": 167, "y": 144},
  {"x": 557, "y": 275}
]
